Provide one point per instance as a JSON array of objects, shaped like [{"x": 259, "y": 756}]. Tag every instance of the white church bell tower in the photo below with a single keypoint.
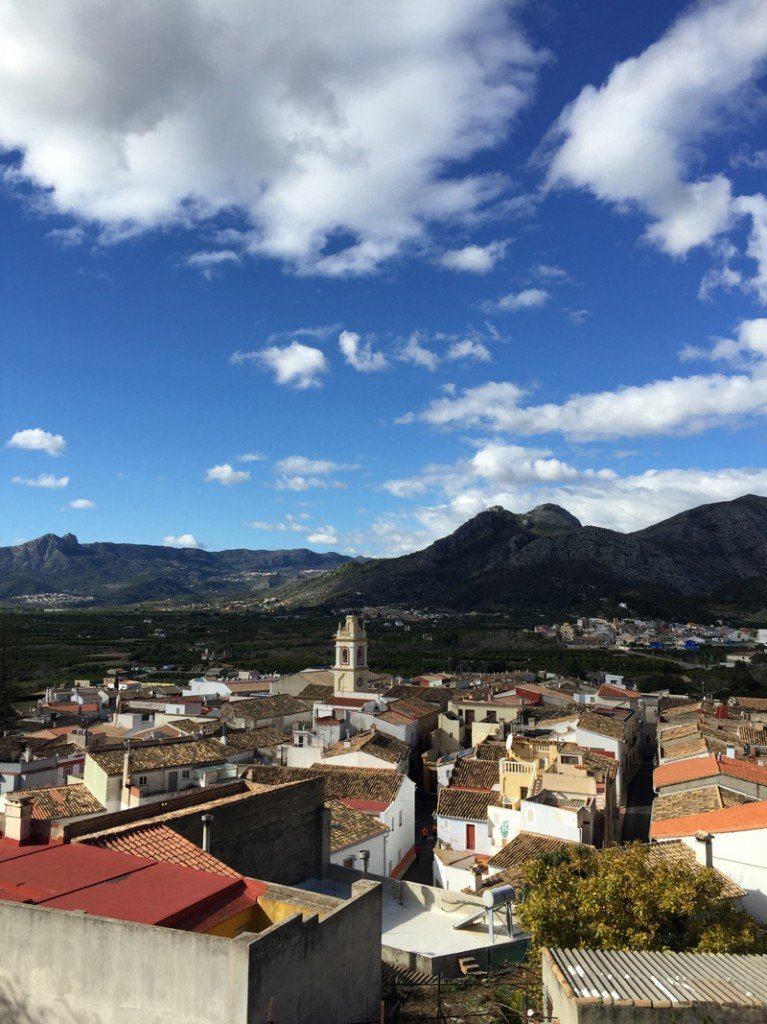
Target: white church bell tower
[{"x": 350, "y": 671}]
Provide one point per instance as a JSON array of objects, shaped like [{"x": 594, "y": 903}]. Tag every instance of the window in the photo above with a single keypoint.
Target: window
[
  {"x": 349, "y": 862},
  {"x": 185, "y": 774},
  {"x": 142, "y": 780},
  {"x": 345, "y": 655},
  {"x": 471, "y": 837},
  {"x": 400, "y": 816}
]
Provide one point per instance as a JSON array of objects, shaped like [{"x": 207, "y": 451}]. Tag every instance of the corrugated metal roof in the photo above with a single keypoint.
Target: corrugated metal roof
[{"x": 662, "y": 980}]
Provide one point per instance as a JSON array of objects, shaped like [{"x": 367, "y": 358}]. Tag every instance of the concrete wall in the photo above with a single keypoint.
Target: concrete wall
[
  {"x": 277, "y": 835},
  {"x": 742, "y": 856},
  {"x": 77, "y": 969},
  {"x": 318, "y": 971}
]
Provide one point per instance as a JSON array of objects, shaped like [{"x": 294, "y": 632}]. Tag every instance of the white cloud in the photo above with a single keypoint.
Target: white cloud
[
  {"x": 550, "y": 272},
  {"x": 82, "y": 503},
  {"x": 259, "y": 524},
  {"x": 211, "y": 262},
  {"x": 45, "y": 480},
  {"x": 475, "y": 259},
  {"x": 299, "y": 473},
  {"x": 674, "y": 406},
  {"x": 35, "y": 439},
  {"x": 468, "y": 349},
  {"x": 528, "y": 298},
  {"x": 360, "y": 354},
  {"x": 297, "y": 365},
  {"x": 184, "y": 540},
  {"x": 67, "y": 238},
  {"x": 300, "y": 117},
  {"x": 636, "y": 140},
  {"x": 227, "y": 475},
  {"x": 412, "y": 351},
  {"x": 251, "y": 457},
  {"x": 323, "y": 535}
]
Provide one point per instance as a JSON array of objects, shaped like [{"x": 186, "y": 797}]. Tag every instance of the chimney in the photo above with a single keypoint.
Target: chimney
[
  {"x": 364, "y": 858},
  {"x": 224, "y": 740},
  {"x": 476, "y": 880},
  {"x": 704, "y": 849},
  {"x": 126, "y": 767},
  {"x": 206, "y": 823},
  {"x": 18, "y": 819}
]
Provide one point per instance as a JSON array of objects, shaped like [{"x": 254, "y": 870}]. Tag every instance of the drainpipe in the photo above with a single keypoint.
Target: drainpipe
[{"x": 206, "y": 822}]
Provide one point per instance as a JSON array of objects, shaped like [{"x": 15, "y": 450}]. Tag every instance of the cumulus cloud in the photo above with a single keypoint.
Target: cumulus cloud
[
  {"x": 323, "y": 535},
  {"x": 299, "y": 118},
  {"x": 474, "y": 259},
  {"x": 296, "y": 364},
  {"x": 414, "y": 352},
  {"x": 468, "y": 349},
  {"x": 677, "y": 405},
  {"x": 184, "y": 540},
  {"x": 635, "y": 141},
  {"x": 227, "y": 475},
  {"x": 528, "y": 298},
  {"x": 45, "y": 480},
  {"x": 35, "y": 439},
  {"x": 251, "y": 457},
  {"x": 359, "y": 354},
  {"x": 82, "y": 503}
]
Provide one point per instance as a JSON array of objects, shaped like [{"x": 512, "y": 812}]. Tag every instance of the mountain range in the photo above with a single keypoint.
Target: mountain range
[
  {"x": 130, "y": 573},
  {"x": 707, "y": 562}
]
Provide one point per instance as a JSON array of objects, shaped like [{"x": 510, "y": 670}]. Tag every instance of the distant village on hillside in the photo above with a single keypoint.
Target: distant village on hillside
[{"x": 378, "y": 831}]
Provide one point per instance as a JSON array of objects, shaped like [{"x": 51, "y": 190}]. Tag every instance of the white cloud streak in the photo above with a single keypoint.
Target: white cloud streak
[
  {"x": 45, "y": 480},
  {"x": 296, "y": 365},
  {"x": 529, "y": 298},
  {"x": 82, "y": 503},
  {"x": 474, "y": 259}
]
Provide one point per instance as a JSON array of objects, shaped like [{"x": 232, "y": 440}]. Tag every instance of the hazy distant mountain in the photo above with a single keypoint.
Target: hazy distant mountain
[
  {"x": 707, "y": 561},
  {"x": 126, "y": 573}
]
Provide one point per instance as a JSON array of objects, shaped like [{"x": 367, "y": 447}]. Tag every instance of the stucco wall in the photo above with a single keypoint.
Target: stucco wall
[{"x": 77, "y": 969}]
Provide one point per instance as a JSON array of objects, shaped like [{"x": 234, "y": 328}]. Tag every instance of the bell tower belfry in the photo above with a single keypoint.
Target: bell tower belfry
[{"x": 350, "y": 670}]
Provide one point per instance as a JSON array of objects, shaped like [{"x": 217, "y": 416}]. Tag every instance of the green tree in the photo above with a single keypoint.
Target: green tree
[
  {"x": 8, "y": 661},
  {"x": 619, "y": 899}
]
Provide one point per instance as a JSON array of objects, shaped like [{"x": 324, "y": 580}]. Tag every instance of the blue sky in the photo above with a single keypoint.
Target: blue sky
[{"x": 341, "y": 275}]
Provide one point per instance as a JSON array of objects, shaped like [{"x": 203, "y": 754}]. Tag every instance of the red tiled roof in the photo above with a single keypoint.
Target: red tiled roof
[
  {"x": 705, "y": 767},
  {"x": 161, "y": 843},
  {"x": 354, "y": 702},
  {"x": 617, "y": 692},
  {"x": 741, "y": 818}
]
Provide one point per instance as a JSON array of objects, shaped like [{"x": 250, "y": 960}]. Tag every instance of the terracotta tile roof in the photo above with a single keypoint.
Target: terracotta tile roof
[
  {"x": 685, "y": 771},
  {"x": 255, "y": 739},
  {"x": 610, "y": 692},
  {"x": 259, "y": 709},
  {"x": 676, "y": 852},
  {"x": 705, "y": 767},
  {"x": 316, "y": 691},
  {"x": 159, "y": 842},
  {"x": 474, "y": 774},
  {"x": 752, "y": 703},
  {"x": 678, "y": 710},
  {"x": 160, "y": 755},
  {"x": 669, "y": 733},
  {"x": 753, "y": 735},
  {"x": 348, "y": 826},
  {"x": 394, "y": 719},
  {"x": 686, "y": 802},
  {"x": 593, "y": 760},
  {"x": 190, "y": 726},
  {"x": 490, "y": 750},
  {"x": 466, "y": 804},
  {"x": 602, "y": 725},
  {"x": 412, "y": 709},
  {"x": 427, "y": 694},
  {"x": 742, "y": 818},
  {"x": 377, "y": 744},
  {"x": 342, "y": 782},
  {"x": 523, "y": 848},
  {"x": 60, "y": 802},
  {"x": 694, "y": 746}
]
